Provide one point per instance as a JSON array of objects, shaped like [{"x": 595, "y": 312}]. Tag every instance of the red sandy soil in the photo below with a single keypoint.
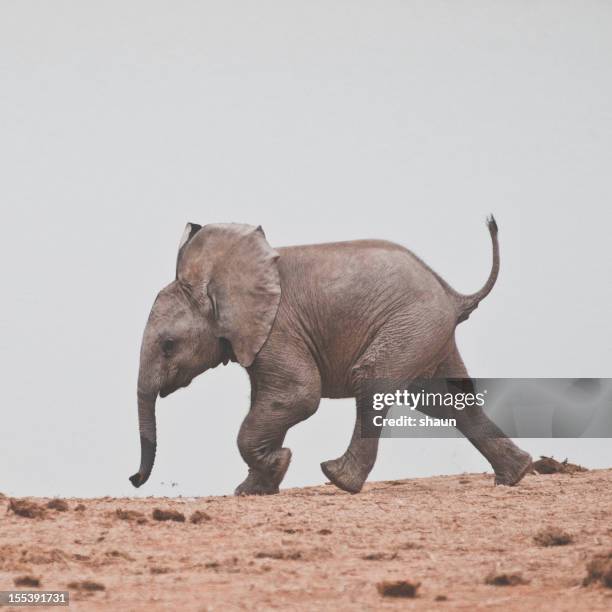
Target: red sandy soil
[{"x": 319, "y": 548}]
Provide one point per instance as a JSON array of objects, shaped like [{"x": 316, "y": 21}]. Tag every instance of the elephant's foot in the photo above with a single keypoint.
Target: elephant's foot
[
  {"x": 345, "y": 474},
  {"x": 254, "y": 485},
  {"x": 511, "y": 470},
  {"x": 260, "y": 482}
]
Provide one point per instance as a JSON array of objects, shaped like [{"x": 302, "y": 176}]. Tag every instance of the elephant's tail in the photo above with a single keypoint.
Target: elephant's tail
[{"x": 468, "y": 303}]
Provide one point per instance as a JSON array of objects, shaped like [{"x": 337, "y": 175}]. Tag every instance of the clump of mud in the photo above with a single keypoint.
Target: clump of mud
[
  {"x": 295, "y": 554},
  {"x": 380, "y": 556},
  {"x": 199, "y": 517},
  {"x": 505, "y": 579},
  {"x": 58, "y": 504},
  {"x": 86, "y": 585},
  {"x": 409, "y": 546},
  {"x": 131, "y": 515},
  {"x": 27, "y": 581},
  {"x": 291, "y": 555},
  {"x": 549, "y": 465},
  {"x": 118, "y": 554},
  {"x": 25, "y": 508},
  {"x": 168, "y": 515},
  {"x": 42, "y": 556},
  {"x": 552, "y": 536},
  {"x": 398, "y": 588},
  {"x": 599, "y": 569}
]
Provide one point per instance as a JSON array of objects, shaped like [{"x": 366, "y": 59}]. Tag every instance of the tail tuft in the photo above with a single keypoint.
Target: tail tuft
[{"x": 492, "y": 225}]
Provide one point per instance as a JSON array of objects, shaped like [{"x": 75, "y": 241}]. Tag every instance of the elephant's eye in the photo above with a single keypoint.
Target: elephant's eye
[{"x": 167, "y": 346}]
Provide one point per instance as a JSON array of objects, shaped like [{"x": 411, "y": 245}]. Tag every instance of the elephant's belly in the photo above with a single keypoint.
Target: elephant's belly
[{"x": 337, "y": 391}]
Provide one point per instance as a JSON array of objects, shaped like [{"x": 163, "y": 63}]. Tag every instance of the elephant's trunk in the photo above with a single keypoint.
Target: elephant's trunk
[{"x": 148, "y": 437}]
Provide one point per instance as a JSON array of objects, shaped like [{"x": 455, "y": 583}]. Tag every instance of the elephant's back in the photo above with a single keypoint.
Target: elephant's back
[
  {"x": 353, "y": 267},
  {"x": 339, "y": 295}
]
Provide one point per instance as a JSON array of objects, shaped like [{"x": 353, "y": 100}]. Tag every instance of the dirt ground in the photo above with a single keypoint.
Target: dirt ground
[{"x": 319, "y": 548}]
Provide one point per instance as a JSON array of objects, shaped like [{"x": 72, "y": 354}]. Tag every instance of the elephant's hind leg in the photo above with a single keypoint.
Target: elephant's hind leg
[
  {"x": 394, "y": 356},
  {"x": 508, "y": 461},
  {"x": 350, "y": 471}
]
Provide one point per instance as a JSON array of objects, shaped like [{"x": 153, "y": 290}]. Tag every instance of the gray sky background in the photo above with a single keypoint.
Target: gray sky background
[{"x": 322, "y": 121}]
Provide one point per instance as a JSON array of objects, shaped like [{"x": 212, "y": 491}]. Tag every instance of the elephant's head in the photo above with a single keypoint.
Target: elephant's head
[{"x": 221, "y": 306}]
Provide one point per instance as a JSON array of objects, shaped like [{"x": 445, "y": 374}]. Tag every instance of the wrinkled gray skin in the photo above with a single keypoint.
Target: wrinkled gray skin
[{"x": 307, "y": 322}]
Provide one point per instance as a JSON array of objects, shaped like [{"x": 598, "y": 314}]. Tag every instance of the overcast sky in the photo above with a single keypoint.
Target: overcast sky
[{"x": 321, "y": 121}]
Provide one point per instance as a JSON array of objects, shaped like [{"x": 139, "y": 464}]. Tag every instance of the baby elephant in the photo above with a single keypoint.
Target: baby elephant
[{"x": 322, "y": 320}]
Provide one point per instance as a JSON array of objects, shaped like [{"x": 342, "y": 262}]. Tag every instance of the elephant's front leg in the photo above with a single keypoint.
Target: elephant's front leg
[{"x": 262, "y": 434}]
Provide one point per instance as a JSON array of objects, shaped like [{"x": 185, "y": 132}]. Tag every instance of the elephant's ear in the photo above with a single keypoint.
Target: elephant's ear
[
  {"x": 234, "y": 266},
  {"x": 191, "y": 229}
]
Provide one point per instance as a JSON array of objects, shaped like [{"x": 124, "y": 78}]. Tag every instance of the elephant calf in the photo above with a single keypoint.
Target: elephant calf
[{"x": 307, "y": 322}]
